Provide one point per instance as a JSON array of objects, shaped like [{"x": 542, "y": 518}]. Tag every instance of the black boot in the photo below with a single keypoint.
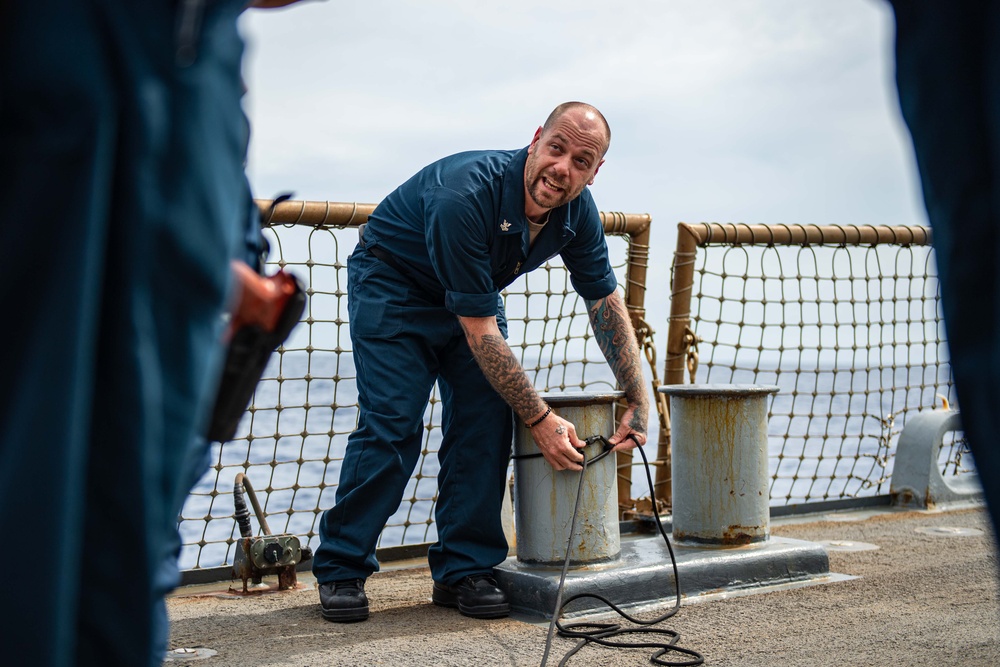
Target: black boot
[
  {"x": 344, "y": 601},
  {"x": 477, "y": 596}
]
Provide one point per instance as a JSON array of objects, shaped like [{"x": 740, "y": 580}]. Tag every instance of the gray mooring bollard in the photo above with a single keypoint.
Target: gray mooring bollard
[
  {"x": 719, "y": 463},
  {"x": 544, "y": 498}
]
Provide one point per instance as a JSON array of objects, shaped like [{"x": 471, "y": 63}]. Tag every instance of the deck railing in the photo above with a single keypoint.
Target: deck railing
[
  {"x": 845, "y": 320},
  {"x": 292, "y": 439}
]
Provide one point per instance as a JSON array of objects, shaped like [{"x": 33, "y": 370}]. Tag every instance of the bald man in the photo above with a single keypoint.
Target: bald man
[{"x": 424, "y": 299}]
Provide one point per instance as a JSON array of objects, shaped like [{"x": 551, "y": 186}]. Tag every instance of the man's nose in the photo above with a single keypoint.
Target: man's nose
[{"x": 562, "y": 166}]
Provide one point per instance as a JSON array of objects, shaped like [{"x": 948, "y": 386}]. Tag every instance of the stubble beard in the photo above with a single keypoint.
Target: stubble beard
[
  {"x": 535, "y": 190},
  {"x": 541, "y": 196}
]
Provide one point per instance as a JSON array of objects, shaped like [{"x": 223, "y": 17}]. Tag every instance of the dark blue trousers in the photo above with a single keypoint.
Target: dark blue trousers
[
  {"x": 403, "y": 343},
  {"x": 123, "y": 196},
  {"x": 948, "y": 75}
]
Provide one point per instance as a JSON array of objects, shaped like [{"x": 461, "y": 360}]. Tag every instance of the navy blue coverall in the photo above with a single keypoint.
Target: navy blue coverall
[
  {"x": 124, "y": 199},
  {"x": 948, "y": 77},
  {"x": 456, "y": 234}
]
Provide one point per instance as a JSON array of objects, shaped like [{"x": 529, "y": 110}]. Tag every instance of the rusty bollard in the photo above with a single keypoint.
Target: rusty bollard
[
  {"x": 544, "y": 499},
  {"x": 719, "y": 463}
]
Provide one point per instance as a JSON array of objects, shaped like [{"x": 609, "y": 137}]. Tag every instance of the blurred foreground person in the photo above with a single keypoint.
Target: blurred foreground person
[
  {"x": 948, "y": 77},
  {"x": 124, "y": 202}
]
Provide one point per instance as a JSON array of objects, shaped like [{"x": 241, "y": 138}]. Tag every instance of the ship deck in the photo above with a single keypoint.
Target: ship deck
[{"x": 905, "y": 588}]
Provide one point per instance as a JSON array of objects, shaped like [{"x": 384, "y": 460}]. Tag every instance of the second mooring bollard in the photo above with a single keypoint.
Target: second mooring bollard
[
  {"x": 544, "y": 498},
  {"x": 719, "y": 463}
]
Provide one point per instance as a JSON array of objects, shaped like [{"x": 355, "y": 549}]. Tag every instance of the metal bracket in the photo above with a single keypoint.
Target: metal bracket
[{"x": 268, "y": 554}]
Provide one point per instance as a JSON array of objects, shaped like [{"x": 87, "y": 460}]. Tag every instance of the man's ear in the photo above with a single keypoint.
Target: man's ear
[
  {"x": 534, "y": 140},
  {"x": 595, "y": 172}
]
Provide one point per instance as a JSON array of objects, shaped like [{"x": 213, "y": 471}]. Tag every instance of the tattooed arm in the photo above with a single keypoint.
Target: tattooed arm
[
  {"x": 555, "y": 437},
  {"x": 616, "y": 338}
]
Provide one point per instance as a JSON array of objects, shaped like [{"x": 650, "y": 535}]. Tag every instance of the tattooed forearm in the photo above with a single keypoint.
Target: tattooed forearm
[
  {"x": 504, "y": 372},
  {"x": 616, "y": 338}
]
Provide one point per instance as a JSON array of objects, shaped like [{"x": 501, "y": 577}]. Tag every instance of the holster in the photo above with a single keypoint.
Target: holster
[{"x": 267, "y": 309}]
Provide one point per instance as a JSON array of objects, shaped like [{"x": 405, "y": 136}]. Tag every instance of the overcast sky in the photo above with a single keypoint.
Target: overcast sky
[{"x": 757, "y": 111}]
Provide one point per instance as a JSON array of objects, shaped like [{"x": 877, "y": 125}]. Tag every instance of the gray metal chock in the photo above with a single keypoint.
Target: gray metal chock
[{"x": 916, "y": 477}]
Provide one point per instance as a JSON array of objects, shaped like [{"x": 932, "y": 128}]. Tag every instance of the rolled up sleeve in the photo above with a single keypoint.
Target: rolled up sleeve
[
  {"x": 595, "y": 289},
  {"x": 471, "y": 305}
]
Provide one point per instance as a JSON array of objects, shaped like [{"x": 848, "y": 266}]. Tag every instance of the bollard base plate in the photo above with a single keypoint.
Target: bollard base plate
[{"x": 643, "y": 575}]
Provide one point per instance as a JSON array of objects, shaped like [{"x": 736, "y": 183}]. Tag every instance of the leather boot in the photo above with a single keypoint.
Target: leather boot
[
  {"x": 344, "y": 601},
  {"x": 477, "y": 596}
]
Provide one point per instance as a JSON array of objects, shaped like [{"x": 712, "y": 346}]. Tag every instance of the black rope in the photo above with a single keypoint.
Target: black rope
[{"x": 604, "y": 634}]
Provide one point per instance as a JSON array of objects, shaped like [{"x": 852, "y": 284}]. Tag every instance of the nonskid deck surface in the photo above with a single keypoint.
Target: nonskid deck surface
[{"x": 906, "y": 588}]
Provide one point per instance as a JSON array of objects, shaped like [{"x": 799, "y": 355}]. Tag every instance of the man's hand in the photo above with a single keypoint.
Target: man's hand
[
  {"x": 557, "y": 440},
  {"x": 626, "y": 437}
]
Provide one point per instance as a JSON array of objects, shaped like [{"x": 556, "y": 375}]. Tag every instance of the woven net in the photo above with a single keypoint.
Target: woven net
[
  {"x": 852, "y": 336},
  {"x": 292, "y": 438}
]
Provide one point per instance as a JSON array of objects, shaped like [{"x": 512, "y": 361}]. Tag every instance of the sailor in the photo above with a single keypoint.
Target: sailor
[{"x": 424, "y": 301}]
